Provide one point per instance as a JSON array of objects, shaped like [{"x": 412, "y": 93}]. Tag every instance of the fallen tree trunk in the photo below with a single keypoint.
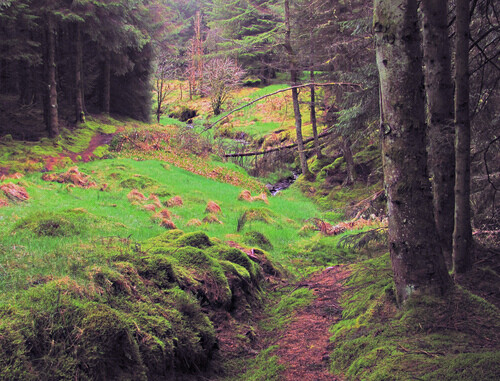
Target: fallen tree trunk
[
  {"x": 256, "y": 153},
  {"x": 277, "y": 92}
]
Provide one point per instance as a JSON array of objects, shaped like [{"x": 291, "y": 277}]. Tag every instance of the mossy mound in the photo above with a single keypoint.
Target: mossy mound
[
  {"x": 65, "y": 223},
  {"x": 142, "y": 314},
  {"x": 428, "y": 338},
  {"x": 138, "y": 182},
  {"x": 203, "y": 276},
  {"x": 257, "y": 239},
  {"x": 197, "y": 239},
  {"x": 238, "y": 257}
]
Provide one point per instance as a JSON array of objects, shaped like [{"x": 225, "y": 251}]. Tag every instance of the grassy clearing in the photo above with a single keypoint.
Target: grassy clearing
[
  {"x": 58, "y": 217},
  {"x": 256, "y": 121}
]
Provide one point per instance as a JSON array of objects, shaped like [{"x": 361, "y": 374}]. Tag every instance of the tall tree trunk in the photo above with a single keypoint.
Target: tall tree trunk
[
  {"x": 25, "y": 84},
  {"x": 349, "y": 160},
  {"x": 159, "y": 98},
  {"x": 314, "y": 121},
  {"x": 50, "y": 78},
  {"x": 416, "y": 256},
  {"x": 295, "y": 93},
  {"x": 199, "y": 52},
  {"x": 106, "y": 89},
  {"x": 3, "y": 77},
  {"x": 462, "y": 235},
  {"x": 79, "y": 108},
  {"x": 439, "y": 90}
]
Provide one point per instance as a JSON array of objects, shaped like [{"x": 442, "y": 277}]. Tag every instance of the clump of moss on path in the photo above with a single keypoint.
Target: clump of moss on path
[{"x": 453, "y": 338}]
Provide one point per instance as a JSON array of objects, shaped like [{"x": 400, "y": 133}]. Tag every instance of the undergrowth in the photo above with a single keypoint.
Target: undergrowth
[{"x": 453, "y": 338}]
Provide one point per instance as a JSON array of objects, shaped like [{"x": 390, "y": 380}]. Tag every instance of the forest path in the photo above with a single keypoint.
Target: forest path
[
  {"x": 97, "y": 140},
  {"x": 305, "y": 346}
]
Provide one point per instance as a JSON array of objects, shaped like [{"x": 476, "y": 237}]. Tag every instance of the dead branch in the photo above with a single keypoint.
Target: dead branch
[
  {"x": 256, "y": 153},
  {"x": 277, "y": 92}
]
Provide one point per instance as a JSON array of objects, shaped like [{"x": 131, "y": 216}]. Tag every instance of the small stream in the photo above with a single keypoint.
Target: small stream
[{"x": 282, "y": 184}]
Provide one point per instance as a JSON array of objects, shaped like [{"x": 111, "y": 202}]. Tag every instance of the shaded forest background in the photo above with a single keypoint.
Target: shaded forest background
[
  {"x": 63, "y": 60},
  {"x": 394, "y": 94}
]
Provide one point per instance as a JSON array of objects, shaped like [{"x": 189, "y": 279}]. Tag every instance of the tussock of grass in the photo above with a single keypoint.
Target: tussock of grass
[{"x": 264, "y": 367}]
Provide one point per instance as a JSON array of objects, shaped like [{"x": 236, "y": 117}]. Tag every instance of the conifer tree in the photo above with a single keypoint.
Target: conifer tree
[{"x": 417, "y": 260}]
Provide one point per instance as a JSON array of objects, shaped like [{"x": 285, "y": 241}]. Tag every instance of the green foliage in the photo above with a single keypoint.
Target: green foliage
[
  {"x": 320, "y": 250},
  {"x": 264, "y": 215}
]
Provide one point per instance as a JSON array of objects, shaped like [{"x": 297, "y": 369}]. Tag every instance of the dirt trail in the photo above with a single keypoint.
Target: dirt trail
[
  {"x": 304, "y": 348},
  {"x": 96, "y": 141}
]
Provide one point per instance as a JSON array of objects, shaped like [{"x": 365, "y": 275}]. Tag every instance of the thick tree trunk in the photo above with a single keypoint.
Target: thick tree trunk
[
  {"x": 416, "y": 256},
  {"x": 462, "y": 235},
  {"x": 25, "y": 85},
  {"x": 349, "y": 160},
  {"x": 79, "y": 108},
  {"x": 295, "y": 93},
  {"x": 439, "y": 90},
  {"x": 50, "y": 78},
  {"x": 106, "y": 89},
  {"x": 314, "y": 121}
]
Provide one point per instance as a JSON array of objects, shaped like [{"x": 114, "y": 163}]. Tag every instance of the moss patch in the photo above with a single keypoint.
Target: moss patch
[
  {"x": 429, "y": 338},
  {"x": 135, "y": 316}
]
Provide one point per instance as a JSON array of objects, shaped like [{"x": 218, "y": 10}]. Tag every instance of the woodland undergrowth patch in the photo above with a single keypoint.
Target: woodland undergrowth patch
[{"x": 455, "y": 338}]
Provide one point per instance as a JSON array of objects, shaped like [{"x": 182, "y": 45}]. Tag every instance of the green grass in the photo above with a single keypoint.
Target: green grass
[
  {"x": 265, "y": 367},
  {"x": 21, "y": 156},
  {"x": 281, "y": 314},
  {"x": 110, "y": 214}
]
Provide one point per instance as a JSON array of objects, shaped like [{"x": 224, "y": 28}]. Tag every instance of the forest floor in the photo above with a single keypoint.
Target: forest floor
[
  {"x": 98, "y": 140},
  {"x": 290, "y": 336},
  {"x": 304, "y": 346}
]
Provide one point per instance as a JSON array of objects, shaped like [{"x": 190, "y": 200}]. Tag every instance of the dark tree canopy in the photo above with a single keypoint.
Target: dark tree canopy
[{"x": 68, "y": 58}]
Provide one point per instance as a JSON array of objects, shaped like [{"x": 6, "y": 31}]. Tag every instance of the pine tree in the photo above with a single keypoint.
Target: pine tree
[
  {"x": 417, "y": 260},
  {"x": 246, "y": 30},
  {"x": 462, "y": 234}
]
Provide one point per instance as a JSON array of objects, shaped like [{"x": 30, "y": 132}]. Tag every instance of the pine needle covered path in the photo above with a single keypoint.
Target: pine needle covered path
[{"x": 304, "y": 348}]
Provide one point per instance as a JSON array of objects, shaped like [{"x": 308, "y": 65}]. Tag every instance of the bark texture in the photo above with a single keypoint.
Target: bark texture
[
  {"x": 462, "y": 235},
  {"x": 349, "y": 160},
  {"x": 79, "y": 108},
  {"x": 295, "y": 93},
  {"x": 439, "y": 91},
  {"x": 52, "y": 117},
  {"x": 416, "y": 256},
  {"x": 314, "y": 121}
]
